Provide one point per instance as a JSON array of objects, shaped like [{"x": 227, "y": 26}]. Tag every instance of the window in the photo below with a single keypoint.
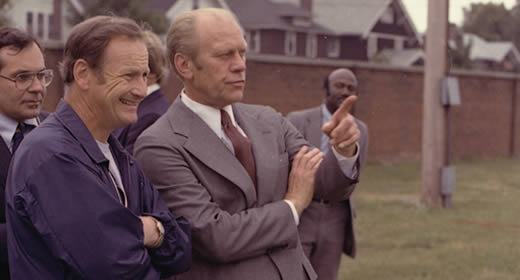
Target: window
[
  {"x": 388, "y": 16},
  {"x": 311, "y": 47},
  {"x": 29, "y": 23},
  {"x": 371, "y": 46},
  {"x": 399, "y": 44},
  {"x": 333, "y": 47},
  {"x": 253, "y": 40},
  {"x": 290, "y": 43},
  {"x": 40, "y": 25},
  {"x": 53, "y": 28}
]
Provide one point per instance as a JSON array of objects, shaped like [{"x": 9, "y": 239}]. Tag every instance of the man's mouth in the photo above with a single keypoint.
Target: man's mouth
[
  {"x": 129, "y": 102},
  {"x": 32, "y": 102}
]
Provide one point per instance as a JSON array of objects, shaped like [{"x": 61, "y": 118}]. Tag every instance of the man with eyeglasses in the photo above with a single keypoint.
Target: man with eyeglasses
[
  {"x": 326, "y": 227},
  {"x": 23, "y": 83}
]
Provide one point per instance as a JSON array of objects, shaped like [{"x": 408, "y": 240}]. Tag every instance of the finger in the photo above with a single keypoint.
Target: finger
[
  {"x": 344, "y": 108},
  {"x": 310, "y": 156},
  {"x": 345, "y": 129},
  {"x": 352, "y": 139},
  {"x": 342, "y": 112},
  {"x": 299, "y": 155},
  {"x": 329, "y": 126},
  {"x": 315, "y": 160}
]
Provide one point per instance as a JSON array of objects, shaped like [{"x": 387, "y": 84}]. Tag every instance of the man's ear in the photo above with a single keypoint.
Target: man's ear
[
  {"x": 184, "y": 66},
  {"x": 81, "y": 72}
]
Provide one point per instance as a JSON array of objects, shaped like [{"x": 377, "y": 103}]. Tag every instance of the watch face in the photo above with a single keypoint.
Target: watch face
[{"x": 159, "y": 226}]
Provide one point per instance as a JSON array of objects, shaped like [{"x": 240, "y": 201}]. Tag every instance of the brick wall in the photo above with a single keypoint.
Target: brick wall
[{"x": 484, "y": 126}]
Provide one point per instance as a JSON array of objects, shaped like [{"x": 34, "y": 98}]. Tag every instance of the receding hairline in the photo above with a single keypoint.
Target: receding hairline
[{"x": 340, "y": 71}]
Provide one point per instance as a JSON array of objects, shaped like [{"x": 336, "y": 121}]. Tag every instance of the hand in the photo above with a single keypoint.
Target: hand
[
  {"x": 301, "y": 177},
  {"x": 342, "y": 129},
  {"x": 151, "y": 234}
]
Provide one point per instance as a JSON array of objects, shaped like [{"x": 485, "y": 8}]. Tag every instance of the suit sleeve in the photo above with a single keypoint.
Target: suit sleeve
[
  {"x": 218, "y": 235},
  {"x": 330, "y": 180},
  {"x": 174, "y": 254},
  {"x": 76, "y": 222}
]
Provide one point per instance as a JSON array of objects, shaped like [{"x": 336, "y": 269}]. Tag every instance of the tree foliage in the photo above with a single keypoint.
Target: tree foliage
[
  {"x": 135, "y": 9},
  {"x": 460, "y": 52},
  {"x": 4, "y": 5},
  {"x": 489, "y": 21}
]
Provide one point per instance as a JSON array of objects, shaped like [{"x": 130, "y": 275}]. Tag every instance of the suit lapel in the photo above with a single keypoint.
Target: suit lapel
[
  {"x": 313, "y": 130},
  {"x": 203, "y": 143},
  {"x": 5, "y": 154}
]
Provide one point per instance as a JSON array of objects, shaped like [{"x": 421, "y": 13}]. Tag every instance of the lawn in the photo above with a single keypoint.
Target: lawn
[{"x": 477, "y": 239}]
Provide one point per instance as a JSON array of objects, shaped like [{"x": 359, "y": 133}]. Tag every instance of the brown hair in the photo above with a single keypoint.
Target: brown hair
[
  {"x": 156, "y": 55},
  {"x": 89, "y": 39},
  {"x": 15, "y": 39}
]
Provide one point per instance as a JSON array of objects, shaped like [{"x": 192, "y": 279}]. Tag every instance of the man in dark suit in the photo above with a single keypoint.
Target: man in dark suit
[
  {"x": 23, "y": 83},
  {"x": 241, "y": 174},
  {"x": 326, "y": 227},
  {"x": 155, "y": 103}
]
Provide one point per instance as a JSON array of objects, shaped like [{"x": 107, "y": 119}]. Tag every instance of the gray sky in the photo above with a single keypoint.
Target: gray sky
[{"x": 418, "y": 10}]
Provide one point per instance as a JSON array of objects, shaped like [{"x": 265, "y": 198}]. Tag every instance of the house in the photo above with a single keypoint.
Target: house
[
  {"x": 363, "y": 28},
  {"x": 335, "y": 29},
  {"x": 44, "y": 19},
  {"x": 49, "y": 20},
  {"x": 498, "y": 56}
]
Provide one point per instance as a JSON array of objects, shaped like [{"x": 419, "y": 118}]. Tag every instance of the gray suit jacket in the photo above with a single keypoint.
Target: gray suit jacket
[
  {"x": 309, "y": 123},
  {"x": 239, "y": 232}
]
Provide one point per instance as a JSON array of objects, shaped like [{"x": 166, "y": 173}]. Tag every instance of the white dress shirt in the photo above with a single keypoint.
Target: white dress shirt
[{"x": 8, "y": 128}]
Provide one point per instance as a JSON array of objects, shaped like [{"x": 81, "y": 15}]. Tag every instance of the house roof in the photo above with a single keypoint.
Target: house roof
[
  {"x": 349, "y": 17},
  {"x": 406, "y": 57},
  {"x": 353, "y": 17},
  {"x": 492, "y": 51},
  {"x": 264, "y": 14},
  {"x": 158, "y": 5}
]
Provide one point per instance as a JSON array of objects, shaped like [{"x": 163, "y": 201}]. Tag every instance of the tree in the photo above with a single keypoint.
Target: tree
[
  {"x": 4, "y": 5},
  {"x": 135, "y": 9},
  {"x": 492, "y": 22},
  {"x": 459, "y": 52}
]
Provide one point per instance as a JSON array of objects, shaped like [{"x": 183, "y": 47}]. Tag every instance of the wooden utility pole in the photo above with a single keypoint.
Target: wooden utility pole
[{"x": 434, "y": 140}]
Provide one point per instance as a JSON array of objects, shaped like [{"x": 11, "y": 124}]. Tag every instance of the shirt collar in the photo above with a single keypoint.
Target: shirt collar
[
  {"x": 326, "y": 115},
  {"x": 151, "y": 88},
  {"x": 8, "y": 127},
  {"x": 208, "y": 114}
]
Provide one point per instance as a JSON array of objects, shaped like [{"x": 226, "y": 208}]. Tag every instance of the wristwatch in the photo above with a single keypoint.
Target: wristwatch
[{"x": 160, "y": 230}]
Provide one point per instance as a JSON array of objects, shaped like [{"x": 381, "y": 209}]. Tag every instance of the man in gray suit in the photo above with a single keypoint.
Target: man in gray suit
[
  {"x": 326, "y": 227},
  {"x": 241, "y": 174}
]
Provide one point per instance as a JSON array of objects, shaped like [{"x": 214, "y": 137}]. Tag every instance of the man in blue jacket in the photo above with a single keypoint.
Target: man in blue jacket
[{"x": 79, "y": 206}]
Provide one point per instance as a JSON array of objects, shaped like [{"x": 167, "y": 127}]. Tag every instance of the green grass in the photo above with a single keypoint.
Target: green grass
[{"x": 479, "y": 238}]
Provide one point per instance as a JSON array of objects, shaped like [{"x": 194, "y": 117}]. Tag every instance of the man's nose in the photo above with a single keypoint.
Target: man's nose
[
  {"x": 37, "y": 85},
  {"x": 239, "y": 63}
]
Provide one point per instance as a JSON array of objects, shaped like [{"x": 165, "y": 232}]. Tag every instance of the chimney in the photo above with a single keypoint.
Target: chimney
[{"x": 307, "y": 5}]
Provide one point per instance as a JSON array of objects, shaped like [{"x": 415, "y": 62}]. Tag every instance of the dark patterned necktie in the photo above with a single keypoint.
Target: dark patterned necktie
[
  {"x": 21, "y": 130},
  {"x": 241, "y": 145}
]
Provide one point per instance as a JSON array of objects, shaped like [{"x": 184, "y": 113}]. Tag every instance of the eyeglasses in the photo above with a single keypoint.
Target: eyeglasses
[{"x": 24, "y": 80}]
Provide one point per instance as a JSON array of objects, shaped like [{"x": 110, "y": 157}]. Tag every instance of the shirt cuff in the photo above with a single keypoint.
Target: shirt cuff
[
  {"x": 295, "y": 213},
  {"x": 347, "y": 164}
]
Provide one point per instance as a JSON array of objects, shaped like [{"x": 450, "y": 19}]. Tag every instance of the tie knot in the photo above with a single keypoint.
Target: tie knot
[
  {"x": 24, "y": 128},
  {"x": 225, "y": 120}
]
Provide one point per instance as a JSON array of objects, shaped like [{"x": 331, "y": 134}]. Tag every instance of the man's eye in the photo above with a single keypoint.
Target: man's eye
[{"x": 24, "y": 77}]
